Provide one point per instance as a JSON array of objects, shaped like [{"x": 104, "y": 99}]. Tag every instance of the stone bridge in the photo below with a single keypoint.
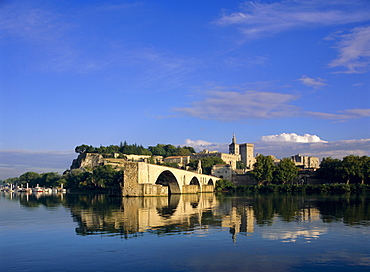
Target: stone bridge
[{"x": 143, "y": 179}]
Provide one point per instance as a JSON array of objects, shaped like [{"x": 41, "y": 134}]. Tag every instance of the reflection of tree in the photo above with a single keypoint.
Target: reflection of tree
[
  {"x": 94, "y": 214},
  {"x": 35, "y": 200},
  {"x": 288, "y": 207},
  {"x": 352, "y": 209},
  {"x": 264, "y": 210}
]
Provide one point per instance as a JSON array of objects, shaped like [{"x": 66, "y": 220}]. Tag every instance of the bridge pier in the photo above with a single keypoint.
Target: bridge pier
[{"x": 143, "y": 179}]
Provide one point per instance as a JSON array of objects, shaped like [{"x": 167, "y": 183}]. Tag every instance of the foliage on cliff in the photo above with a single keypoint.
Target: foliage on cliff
[{"x": 134, "y": 149}]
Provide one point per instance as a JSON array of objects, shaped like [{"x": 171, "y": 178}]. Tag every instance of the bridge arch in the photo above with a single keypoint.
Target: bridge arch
[
  {"x": 195, "y": 181},
  {"x": 167, "y": 178},
  {"x": 210, "y": 182}
]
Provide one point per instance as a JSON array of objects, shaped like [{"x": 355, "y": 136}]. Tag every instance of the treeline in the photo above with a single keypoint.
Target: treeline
[
  {"x": 265, "y": 172},
  {"x": 134, "y": 149},
  {"x": 225, "y": 185},
  {"x": 101, "y": 177},
  {"x": 351, "y": 169},
  {"x": 50, "y": 179}
]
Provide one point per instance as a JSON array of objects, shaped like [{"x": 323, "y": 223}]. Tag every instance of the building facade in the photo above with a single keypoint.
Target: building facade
[
  {"x": 223, "y": 171},
  {"x": 247, "y": 155},
  {"x": 246, "y": 152},
  {"x": 182, "y": 161},
  {"x": 305, "y": 162},
  {"x": 227, "y": 158}
]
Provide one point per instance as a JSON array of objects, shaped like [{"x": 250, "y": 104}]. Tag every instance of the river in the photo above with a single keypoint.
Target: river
[{"x": 205, "y": 232}]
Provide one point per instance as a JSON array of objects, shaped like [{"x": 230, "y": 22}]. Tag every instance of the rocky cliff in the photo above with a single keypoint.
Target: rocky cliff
[{"x": 87, "y": 161}]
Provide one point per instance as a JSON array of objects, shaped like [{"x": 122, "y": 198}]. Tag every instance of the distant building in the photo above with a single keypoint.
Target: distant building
[
  {"x": 228, "y": 158},
  {"x": 305, "y": 162},
  {"x": 247, "y": 155},
  {"x": 182, "y": 161},
  {"x": 246, "y": 152},
  {"x": 137, "y": 158},
  {"x": 276, "y": 161},
  {"x": 237, "y": 152},
  {"x": 234, "y": 147},
  {"x": 223, "y": 171}
]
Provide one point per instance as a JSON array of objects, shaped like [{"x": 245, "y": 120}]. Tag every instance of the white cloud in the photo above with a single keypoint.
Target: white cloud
[
  {"x": 256, "y": 18},
  {"x": 353, "y": 51},
  {"x": 293, "y": 235},
  {"x": 289, "y": 144},
  {"x": 292, "y": 137},
  {"x": 200, "y": 145},
  {"x": 335, "y": 149},
  {"x": 313, "y": 82},
  {"x": 232, "y": 106},
  {"x": 341, "y": 115}
]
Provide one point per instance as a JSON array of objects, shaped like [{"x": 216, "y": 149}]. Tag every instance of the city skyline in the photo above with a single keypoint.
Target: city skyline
[{"x": 288, "y": 76}]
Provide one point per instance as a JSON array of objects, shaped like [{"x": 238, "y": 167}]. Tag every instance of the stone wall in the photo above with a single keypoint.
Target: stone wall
[
  {"x": 208, "y": 188},
  {"x": 153, "y": 190},
  {"x": 190, "y": 189},
  {"x": 244, "y": 179},
  {"x": 131, "y": 180}
]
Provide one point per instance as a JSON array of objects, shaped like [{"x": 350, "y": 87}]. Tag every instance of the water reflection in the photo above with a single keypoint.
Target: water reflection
[
  {"x": 132, "y": 217},
  {"x": 127, "y": 216}
]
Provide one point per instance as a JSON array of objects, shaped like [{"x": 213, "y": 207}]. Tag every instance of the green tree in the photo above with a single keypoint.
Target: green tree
[
  {"x": 184, "y": 151},
  {"x": 14, "y": 180},
  {"x": 352, "y": 168},
  {"x": 171, "y": 164},
  {"x": 206, "y": 163},
  {"x": 50, "y": 179},
  {"x": 171, "y": 150},
  {"x": 224, "y": 184},
  {"x": 240, "y": 165},
  {"x": 263, "y": 169},
  {"x": 32, "y": 178},
  {"x": 331, "y": 170},
  {"x": 81, "y": 148},
  {"x": 365, "y": 169},
  {"x": 106, "y": 177},
  {"x": 76, "y": 178},
  {"x": 285, "y": 172},
  {"x": 158, "y": 150}
]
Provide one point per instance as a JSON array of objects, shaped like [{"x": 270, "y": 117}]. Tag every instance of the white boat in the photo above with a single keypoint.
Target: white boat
[{"x": 37, "y": 190}]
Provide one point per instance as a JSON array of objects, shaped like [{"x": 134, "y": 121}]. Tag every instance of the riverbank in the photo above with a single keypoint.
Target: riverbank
[{"x": 322, "y": 188}]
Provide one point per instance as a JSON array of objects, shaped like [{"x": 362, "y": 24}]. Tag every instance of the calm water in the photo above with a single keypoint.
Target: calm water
[{"x": 184, "y": 233}]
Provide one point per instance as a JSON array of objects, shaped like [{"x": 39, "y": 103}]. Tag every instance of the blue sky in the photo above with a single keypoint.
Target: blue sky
[{"x": 289, "y": 76}]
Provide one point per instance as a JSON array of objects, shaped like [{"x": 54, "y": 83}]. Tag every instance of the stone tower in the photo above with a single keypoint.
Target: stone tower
[
  {"x": 199, "y": 168},
  {"x": 234, "y": 147},
  {"x": 247, "y": 154}
]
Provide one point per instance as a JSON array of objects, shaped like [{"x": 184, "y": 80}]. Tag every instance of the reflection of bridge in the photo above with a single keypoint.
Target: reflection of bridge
[
  {"x": 143, "y": 179},
  {"x": 154, "y": 214}
]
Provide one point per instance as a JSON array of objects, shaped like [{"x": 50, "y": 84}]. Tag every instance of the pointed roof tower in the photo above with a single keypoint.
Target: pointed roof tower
[
  {"x": 233, "y": 139},
  {"x": 234, "y": 147}
]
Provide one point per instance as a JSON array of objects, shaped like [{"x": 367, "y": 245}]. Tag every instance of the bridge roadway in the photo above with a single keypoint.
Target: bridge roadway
[{"x": 144, "y": 179}]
